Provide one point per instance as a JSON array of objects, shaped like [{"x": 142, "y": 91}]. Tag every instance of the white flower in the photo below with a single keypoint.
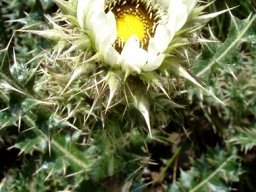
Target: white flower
[{"x": 143, "y": 49}]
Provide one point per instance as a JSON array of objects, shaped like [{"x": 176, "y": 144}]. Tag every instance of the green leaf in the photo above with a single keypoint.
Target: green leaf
[
  {"x": 71, "y": 153},
  {"x": 142, "y": 104},
  {"x": 212, "y": 172},
  {"x": 222, "y": 53},
  {"x": 29, "y": 145},
  {"x": 113, "y": 81},
  {"x": 67, "y": 8},
  {"x": 4, "y": 60},
  {"x": 245, "y": 138},
  {"x": 7, "y": 119},
  {"x": 37, "y": 11}
]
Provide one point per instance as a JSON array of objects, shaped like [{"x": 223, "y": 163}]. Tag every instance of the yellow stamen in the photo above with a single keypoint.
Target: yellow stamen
[
  {"x": 133, "y": 18},
  {"x": 129, "y": 25}
]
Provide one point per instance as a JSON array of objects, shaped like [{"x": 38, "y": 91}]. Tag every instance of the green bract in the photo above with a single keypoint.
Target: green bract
[{"x": 88, "y": 62}]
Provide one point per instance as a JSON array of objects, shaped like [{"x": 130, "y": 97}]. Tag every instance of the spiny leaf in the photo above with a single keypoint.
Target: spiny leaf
[
  {"x": 245, "y": 138},
  {"x": 29, "y": 145},
  {"x": 52, "y": 34},
  {"x": 66, "y": 7},
  {"x": 238, "y": 30},
  {"x": 4, "y": 59},
  {"x": 7, "y": 119},
  {"x": 153, "y": 78},
  {"x": 37, "y": 11},
  {"x": 114, "y": 83},
  {"x": 213, "y": 174},
  {"x": 76, "y": 73},
  {"x": 143, "y": 105},
  {"x": 71, "y": 153},
  {"x": 183, "y": 72},
  {"x": 214, "y": 170}
]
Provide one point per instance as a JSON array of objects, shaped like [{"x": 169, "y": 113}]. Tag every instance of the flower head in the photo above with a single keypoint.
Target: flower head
[
  {"x": 129, "y": 37},
  {"x": 133, "y": 34}
]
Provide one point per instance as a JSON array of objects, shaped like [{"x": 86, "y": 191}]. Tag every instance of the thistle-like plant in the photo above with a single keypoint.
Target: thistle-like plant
[
  {"x": 88, "y": 101},
  {"x": 113, "y": 56}
]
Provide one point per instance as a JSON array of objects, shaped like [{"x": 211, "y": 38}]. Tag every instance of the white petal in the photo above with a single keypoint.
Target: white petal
[
  {"x": 177, "y": 14},
  {"x": 95, "y": 14},
  {"x": 154, "y": 61},
  {"x": 111, "y": 31},
  {"x": 164, "y": 3},
  {"x": 190, "y": 5},
  {"x": 133, "y": 57},
  {"x": 94, "y": 19},
  {"x": 82, "y": 10},
  {"x": 97, "y": 5},
  {"x": 160, "y": 41},
  {"x": 111, "y": 56},
  {"x": 182, "y": 16},
  {"x": 104, "y": 31}
]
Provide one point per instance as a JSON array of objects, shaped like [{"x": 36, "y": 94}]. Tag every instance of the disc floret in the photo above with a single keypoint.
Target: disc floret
[{"x": 134, "y": 18}]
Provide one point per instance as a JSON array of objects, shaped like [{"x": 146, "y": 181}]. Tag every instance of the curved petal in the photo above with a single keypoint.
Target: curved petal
[
  {"x": 95, "y": 14},
  {"x": 133, "y": 57},
  {"x": 160, "y": 41},
  {"x": 96, "y": 5},
  {"x": 163, "y": 3},
  {"x": 182, "y": 16},
  {"x": 111, "y": 56},
  {"x": 94, "y": 20},
  {"x": 154, "y": 61},
  {"x": 82, "y": 10},
  {"x": 111, "y": 24},
  {"x": 177, "y": 14},
  {"x": 190, "y": 4},
  {"x": 107, "y": 24}
]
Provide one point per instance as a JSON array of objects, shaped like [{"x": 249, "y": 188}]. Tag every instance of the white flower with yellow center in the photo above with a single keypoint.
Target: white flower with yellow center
[{"x": 133, "y": 34}]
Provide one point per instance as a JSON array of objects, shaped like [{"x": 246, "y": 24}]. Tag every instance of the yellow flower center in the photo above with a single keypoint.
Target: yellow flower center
[
  {"x": 129, "y": 25},
  {"x": 133, "y": 18}
]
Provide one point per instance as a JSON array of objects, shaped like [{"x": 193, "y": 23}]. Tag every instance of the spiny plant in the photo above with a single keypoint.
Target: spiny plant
[
  {"x": 84, "y": 123},
  {"x": 79, "y": 72},
  {"x": 83, "y": 109},
  {"x": 228, "y": 68}
]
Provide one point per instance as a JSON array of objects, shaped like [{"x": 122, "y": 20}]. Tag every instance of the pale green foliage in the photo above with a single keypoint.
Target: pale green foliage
[
  {"x": 245, "y": 138},
  {"x": 80, "y": 125},
  {"x": 215, "y": 171}
]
